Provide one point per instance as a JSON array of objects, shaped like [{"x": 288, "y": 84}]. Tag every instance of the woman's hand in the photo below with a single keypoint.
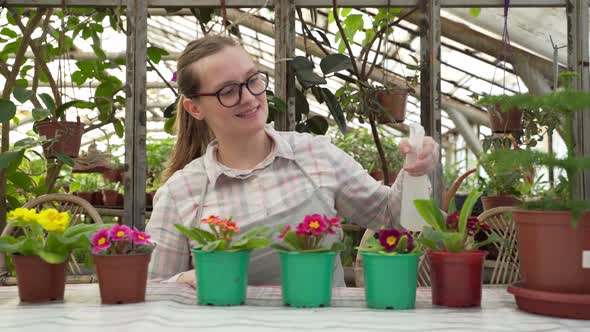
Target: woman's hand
[
  {"x": 188, "y": 278},
  {"x": 428, "y": 159}
]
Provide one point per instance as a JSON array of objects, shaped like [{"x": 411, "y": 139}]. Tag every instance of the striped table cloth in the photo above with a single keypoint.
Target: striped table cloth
[{"x": 172, "y": 307}]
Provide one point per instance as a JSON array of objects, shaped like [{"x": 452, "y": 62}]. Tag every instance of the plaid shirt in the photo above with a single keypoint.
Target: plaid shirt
[{"x": 276, "y": 185}]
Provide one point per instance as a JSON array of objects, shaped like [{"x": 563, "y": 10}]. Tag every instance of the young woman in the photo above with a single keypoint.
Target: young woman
[{"x": 252, "y": 172}]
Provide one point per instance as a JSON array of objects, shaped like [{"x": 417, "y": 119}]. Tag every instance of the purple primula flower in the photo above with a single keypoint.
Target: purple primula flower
[
  {"x": 139, "y": 237},
  {"x": 410, "y": 238},
  {"x": 100, "y": 240},
  {"x": 389, "y": 238},
  {"x": 173, "y": 77},
  {"x": 119, "y": 232}
]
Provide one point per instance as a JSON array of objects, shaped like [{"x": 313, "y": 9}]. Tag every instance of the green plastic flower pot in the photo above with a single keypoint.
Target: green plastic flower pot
[
  {"x": 390, "y": 281},
  {"x": 222, "y": 277},
  {"x": 307, "y": 278}
]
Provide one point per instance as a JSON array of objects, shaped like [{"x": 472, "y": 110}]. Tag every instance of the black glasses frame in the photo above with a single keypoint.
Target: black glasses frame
[{"x": 239, "y": 85}]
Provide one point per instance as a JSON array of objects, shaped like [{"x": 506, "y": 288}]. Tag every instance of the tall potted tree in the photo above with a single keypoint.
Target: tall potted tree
[{"x": 555, "y": 276}]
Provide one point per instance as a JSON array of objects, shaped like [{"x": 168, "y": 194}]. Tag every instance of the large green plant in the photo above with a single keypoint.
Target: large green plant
[
  {"x": 566, "y": 102},
  {"x": 359, "y": 91}
]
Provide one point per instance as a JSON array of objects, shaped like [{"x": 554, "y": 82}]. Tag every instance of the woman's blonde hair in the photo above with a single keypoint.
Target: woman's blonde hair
[{"x": 193, "y": 135}]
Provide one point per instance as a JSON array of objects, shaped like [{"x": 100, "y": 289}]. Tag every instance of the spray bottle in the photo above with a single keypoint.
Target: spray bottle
[{"x": 414, "y": 187}]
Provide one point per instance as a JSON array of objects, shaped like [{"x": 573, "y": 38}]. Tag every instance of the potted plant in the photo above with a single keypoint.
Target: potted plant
[
  {"x": 390, "y": 267},
  {"x": 556, "y": 276},
  {"x": 306, "y": 264},
  {"x": 88, "y": 186},
  {"x": 40, "y": 254},
  {"x": 121, "y": 256},
  {"x": 222, "y": 260},
  {"x": 503, "y": 187},
  {"x": 360, "y": 146},
  {"x": 456, "y": 264},
  {"x": 111, "y": 195}
]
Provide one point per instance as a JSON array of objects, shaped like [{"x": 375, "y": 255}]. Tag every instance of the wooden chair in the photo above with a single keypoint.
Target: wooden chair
[
  {"x": 78, "y": 207},
  {"x": 506, "y": 267}
]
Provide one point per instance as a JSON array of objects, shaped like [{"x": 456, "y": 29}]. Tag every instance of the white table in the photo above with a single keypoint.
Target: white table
[{"x": 171, "y": 307}]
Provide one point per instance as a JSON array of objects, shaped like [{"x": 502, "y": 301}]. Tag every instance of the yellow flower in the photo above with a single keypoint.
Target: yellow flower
[
  {"x": 53, "y": 221},
  {"x": 23, "y": 214}
]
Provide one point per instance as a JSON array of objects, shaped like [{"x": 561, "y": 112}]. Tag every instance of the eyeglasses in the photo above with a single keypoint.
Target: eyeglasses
[{"x": 231, "y": 94}]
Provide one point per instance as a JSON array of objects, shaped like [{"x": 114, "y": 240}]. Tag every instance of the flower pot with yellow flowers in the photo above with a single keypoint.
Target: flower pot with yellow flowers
[{"x": 40, "y": 253}]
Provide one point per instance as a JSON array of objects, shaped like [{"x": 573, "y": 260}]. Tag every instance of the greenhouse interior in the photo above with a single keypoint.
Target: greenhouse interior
[{"x": 265, "y": 165}]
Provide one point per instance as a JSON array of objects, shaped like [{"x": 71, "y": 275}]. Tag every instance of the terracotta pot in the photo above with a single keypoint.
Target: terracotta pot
[
  {"x": 505, "y": 122},
  {"x": 97, "y": 198},
  {"x": 456, "y": 278},
  {"x": 88, "y": 196},
  {"x": 110, "y": 197},
  {"x": 394, "y": 105},
  {"x": 566, "y": 305},
  {"x": 39, "y": 281},
  {"x": 65, "y": 137},
  {"x": 551, "y": 252},
  {"x": 114, "y": 175},
  {"x": 490, "y": 202},
  {"x": 378, "y": 175},
  {"x": 122, "y": 278}
]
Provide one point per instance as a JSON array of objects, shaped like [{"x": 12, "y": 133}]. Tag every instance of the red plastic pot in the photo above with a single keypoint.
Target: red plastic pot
[
  {"x": 65, "y": 137},
  {"x": 39, "y": 281},
  {"x": 456, "y": 278},
  {"x": 122, "y": 278}
]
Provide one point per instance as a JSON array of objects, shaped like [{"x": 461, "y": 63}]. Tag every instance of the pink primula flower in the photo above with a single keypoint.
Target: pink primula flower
[
  {"x": 100, "y": 240},
  {"x": 287, "y": 229},
  {"x": 119, "y": 232},
  {"x": 139, "y": 237},
  {"x": 312, "y": 224}
]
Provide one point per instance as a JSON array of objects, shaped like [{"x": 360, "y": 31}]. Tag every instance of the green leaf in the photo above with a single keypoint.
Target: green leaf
[
  {"x": 211, "y": 246},
  {"x": 338, "y": 246},
  {"x": 64, "y": 158},
  {"x": 301, "y": 103},
  {"x": 428, "y": 243},
  {"x": 78, "y": 77},
  {"x": 295, "y": 241},
  {"x": 59, "y": 112},
  {"x": 9, "y": 244},
  {"x": 431, "y": 214},
  {"x": 52, "y": 257},
  {"x": 345, "y": 11},
  {"x": 7, "y": 110},
  {"x": 21, "y": 180},
  {"x": 119, "y": 129},
  {"x": 169, "y": 125},
  {"x": 301, "y": 63},
  {"x": 155, "y": 53},
  {"x": 259, "y": 231},
  {"x": 283, "y": 247},
  {"x": 170, "y": 110},
  {"x": 83, "y": 229},
  {"x": 317, "y": 125},
  {"x": 40, "y": 114},
  {"x": 11, "y": 159},
  {"x": 8, "y": 33},
  {"x": 492, "y": 237},
  {"x": 334, "y": 63},
  {"x": 48, "y": 101},
  {"x": 309, "y": 78},
  {"x": 335, "y": 109},
  {"x": 21, "y": 94},
  {"x": 452, "y": 207},
  {"x": 474, "y": 12},
  {"x": 467, "y": 209}
]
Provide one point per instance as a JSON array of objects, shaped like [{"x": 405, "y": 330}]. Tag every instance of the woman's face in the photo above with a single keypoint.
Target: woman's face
[{"x": 221, "y": 72}]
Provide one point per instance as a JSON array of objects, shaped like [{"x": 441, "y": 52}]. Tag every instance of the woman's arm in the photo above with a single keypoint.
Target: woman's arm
[{"x": 171, "y": 254}]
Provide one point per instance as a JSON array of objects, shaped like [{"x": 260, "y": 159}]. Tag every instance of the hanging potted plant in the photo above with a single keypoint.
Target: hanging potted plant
[
  {"x": 121, "y": 256},
  {"x": 456, "y": 264},
  {"x": 306, "y": 265},
  {"x": 222, "y": 260},
  {"x": 40, "y": 254},
  {"x": 555, "y": 277},
  {"x": 390, "y": 260}
]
